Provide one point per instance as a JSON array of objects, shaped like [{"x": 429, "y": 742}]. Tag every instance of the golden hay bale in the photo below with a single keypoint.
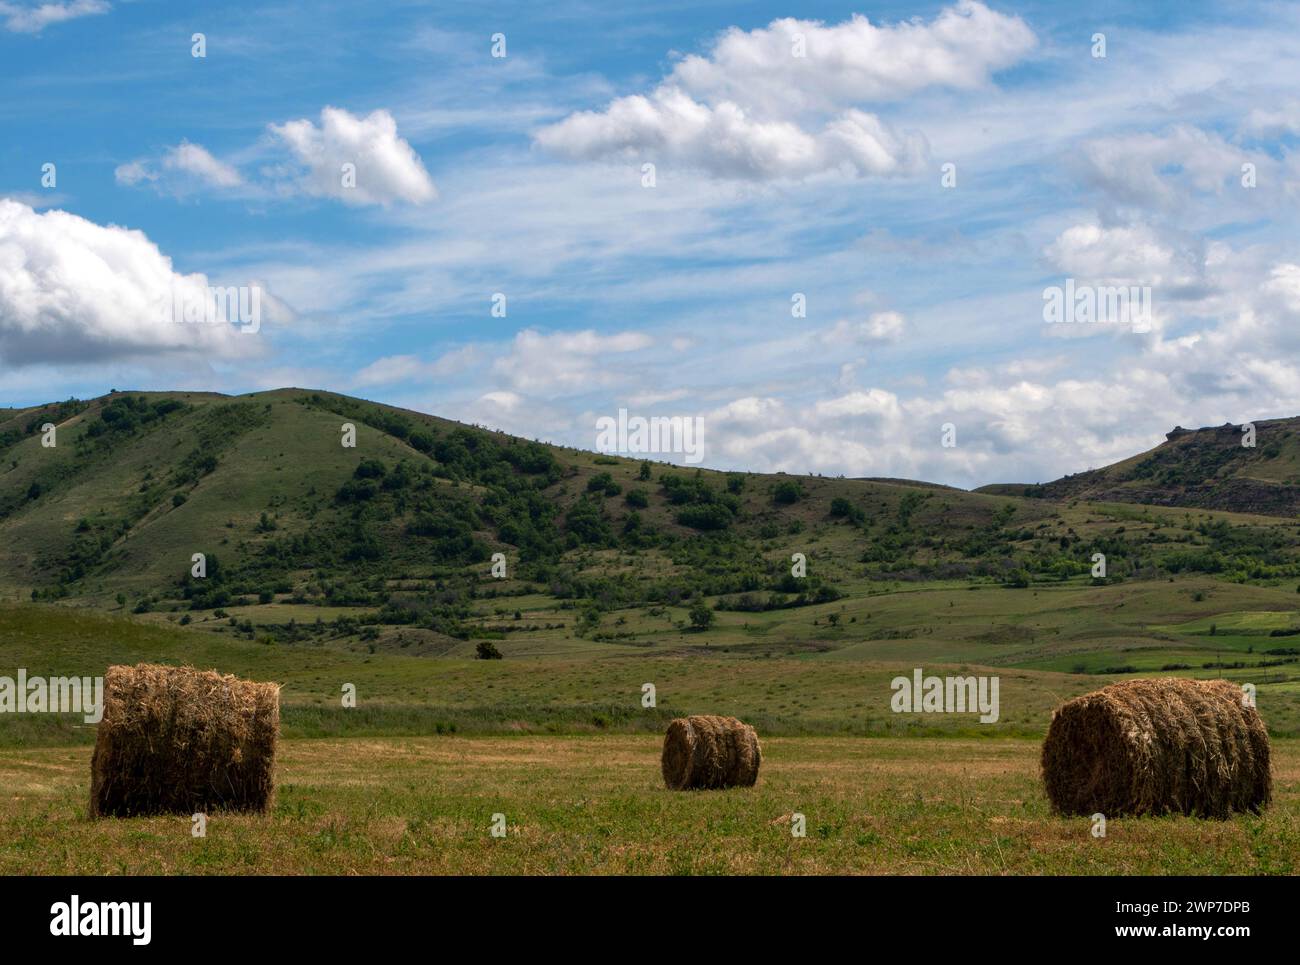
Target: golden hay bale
[
  {"x": 704, "y": 752},
  {"x": 175, "y": 740},
  {"x": 1162, "y": 746}
]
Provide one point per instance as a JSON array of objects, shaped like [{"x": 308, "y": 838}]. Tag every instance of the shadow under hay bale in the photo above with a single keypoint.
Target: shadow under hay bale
[
  {"x": 175, "y": 740},
  {"x": 704, "y": 752},
  {"x": 1162, "y": 746}
]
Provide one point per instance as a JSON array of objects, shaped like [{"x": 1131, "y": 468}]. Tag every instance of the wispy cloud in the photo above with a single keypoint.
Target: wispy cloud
[{"x": 32, "y": 18}]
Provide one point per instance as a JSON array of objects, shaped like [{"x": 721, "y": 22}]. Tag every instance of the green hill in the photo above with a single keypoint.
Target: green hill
[
  {"x": 1207, "y": 468},
  {"x": 138, "y": 482},
  {"x": 387, "y": 548}
]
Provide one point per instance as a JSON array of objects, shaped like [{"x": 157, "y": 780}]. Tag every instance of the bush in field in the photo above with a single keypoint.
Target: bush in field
[
  {"x": 370, "y": 469},
  {"x": 710, "y": 516},
  {"x": 701, "y": 615},
  {"x": 841, "y": 508},
  {"x": 603, "y": 483},
  {"x": 1017, "y": 579},
  {"x": 787, "y": 492},
  {"x": 586, "y": 524},
  {"x": 357, "y": 491}
]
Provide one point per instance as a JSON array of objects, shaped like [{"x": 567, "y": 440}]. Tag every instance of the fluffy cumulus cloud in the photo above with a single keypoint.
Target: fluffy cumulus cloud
[
  {"x": 784, "y": 101},
  {"x": 855, "y": 61},
  {"x": 1032, "y": 412},
  {"x": 1235, "y": 356},
  {"x": 32, "y": 18},
  {"x": 358, "y": 160},
  {"x": 670, "y": 126},
  {"x": 72, "y": 291},
  {"x": 1134, "y": 254},
  {"x": 387, "y": 169},
  {"x": 1006, "y": 430}
]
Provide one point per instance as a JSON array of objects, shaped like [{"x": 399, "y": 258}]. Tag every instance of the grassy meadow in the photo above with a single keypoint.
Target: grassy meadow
[
  {"x": 595, "y": 804},
  {"x": 789, "y": 601},
  {"x": 409, "y": 781}
]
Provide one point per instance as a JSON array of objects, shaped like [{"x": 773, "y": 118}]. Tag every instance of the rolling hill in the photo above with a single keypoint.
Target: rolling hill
[
  {"x": 138, "y": 482},
  {"x": 1208, "y": 468},
  {"x": 388, "y": 547}
]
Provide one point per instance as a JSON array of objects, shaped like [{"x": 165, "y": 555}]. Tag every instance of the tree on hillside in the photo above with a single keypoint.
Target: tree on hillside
[{"x": 701, "y": 615}]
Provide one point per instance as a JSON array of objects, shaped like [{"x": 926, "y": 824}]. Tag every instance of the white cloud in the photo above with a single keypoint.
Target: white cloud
[
  {"x": 565, "y": 362},
  {"x": 387, "y": 168},
  {"x": 410, "y": 368},
  {"x": 670, "y": 126},
  {"x": 196, "y": 160},
  {"x": 855, "y": 61},
  {"x": 133, "y": 173},
  {"x": 182, "y": 168},
  {"x": 1023, "y": 416},
  {"x": 1156, "y": 169},
  {"x": 506, "y": 402},
  {"x": 33, "y": 18},
  {"x": 73, "y": 291},
  {"x": 878, "y": 327},
  {"x": 1126, "y": 255},
  {"x": 753, "y": 109},
  {"x": 1285, "y": 281},
  {"x": 384, "y": 168},
  {"x": 1274, "y": 121},
  {"x": 1006, "y": 431}
]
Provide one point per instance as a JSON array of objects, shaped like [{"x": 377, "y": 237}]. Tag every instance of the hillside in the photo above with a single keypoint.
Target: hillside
[
  {"x": 388, "y": 546},
  {"x": 139, "y": 482},
  {"x": 1206, "y": 468}
]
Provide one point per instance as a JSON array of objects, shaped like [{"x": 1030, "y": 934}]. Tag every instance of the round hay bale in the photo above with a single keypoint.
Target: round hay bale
[
  {"x": 1162, "y": 746},
  {"x": 175, "y": 740},
  {"x": 704, "y": 752}
]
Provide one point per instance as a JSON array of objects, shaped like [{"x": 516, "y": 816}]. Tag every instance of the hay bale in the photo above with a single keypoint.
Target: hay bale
[
  {"x": 1162, "y": 746},
  {"x": 175, "y": 740},
  {"x": 703, "y": 752}
]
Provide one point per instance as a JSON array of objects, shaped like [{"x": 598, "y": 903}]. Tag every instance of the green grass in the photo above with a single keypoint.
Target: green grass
[
  {"x": 597, "y": 805},
  {"x": 573, "y": 765},
  {"x": 554, "y": 735},
  {"x": 404, "y": 695},
  {"x": 789, "y": 677}
]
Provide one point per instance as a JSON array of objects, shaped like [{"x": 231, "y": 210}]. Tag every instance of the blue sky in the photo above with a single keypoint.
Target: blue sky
[{"x": 775, "y": 174}]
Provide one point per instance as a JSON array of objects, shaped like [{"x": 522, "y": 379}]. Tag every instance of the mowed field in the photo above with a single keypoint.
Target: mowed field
[
  {"x": 560, "y": 744},
  {"x": 597, "y": 805}
]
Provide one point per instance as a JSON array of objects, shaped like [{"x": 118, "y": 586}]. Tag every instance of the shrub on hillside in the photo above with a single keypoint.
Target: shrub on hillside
[{"x": 787, "y": 492}]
